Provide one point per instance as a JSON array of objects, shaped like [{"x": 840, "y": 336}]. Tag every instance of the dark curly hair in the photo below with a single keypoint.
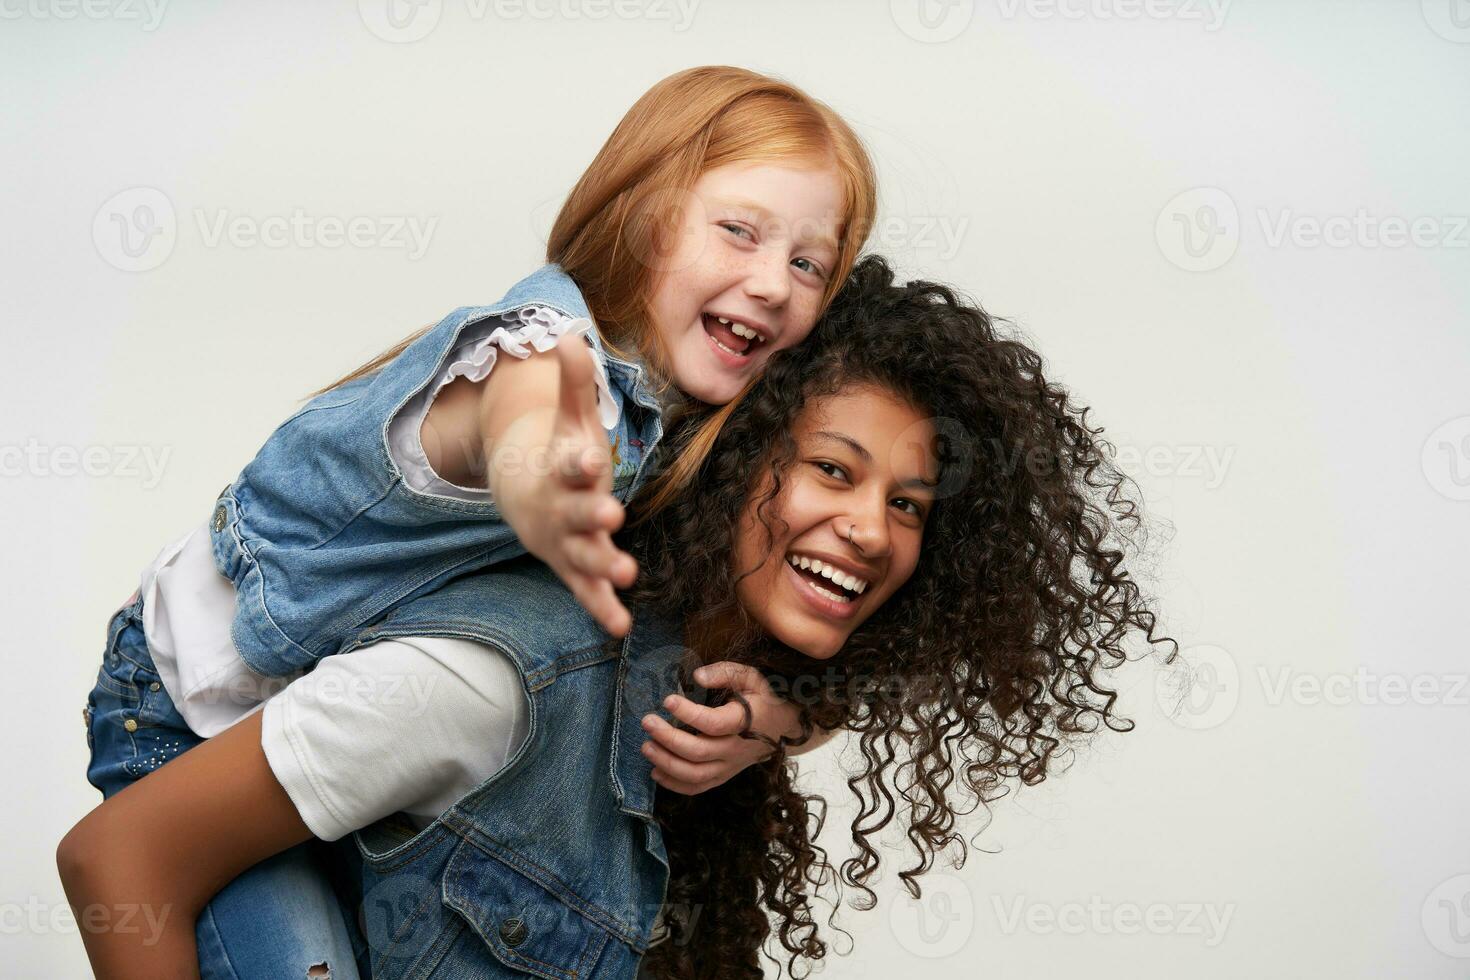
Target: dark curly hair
[{"x": 980, "y": 665}]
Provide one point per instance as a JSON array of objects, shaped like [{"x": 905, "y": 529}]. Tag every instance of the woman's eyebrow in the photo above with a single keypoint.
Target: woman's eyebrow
[
  {"x": 912, "y": 483},
  {"x": 847, "y": 441}
]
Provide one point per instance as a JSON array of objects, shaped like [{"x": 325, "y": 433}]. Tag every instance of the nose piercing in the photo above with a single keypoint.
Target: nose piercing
[{"x": 850, "y": 529}]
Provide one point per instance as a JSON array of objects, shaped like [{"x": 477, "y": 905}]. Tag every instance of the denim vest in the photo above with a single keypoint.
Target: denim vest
[
  {"x": 554, "y": 866},
  {"x": 321, "y": 535}
]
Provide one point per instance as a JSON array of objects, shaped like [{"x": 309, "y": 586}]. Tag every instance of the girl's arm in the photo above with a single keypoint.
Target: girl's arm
[
  {"x": 168, "y": 843},
  {"x": 533, "y": 425}
]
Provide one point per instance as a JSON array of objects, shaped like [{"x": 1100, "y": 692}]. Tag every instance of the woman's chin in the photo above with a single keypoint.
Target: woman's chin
[{"x": 817, "y": 649}]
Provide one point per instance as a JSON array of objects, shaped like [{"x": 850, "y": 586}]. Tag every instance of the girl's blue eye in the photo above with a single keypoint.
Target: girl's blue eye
[
  {"x": 733, "y": 227},
  {"x": 812, "y": 267}
]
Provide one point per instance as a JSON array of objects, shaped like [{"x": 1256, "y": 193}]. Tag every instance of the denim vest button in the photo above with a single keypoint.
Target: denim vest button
[
  {"x": 219, "y": 518},
  {"x": 131, "y": 725},
  {"x": 154, "y": 686},
  {"x": 514, "y": 932}
]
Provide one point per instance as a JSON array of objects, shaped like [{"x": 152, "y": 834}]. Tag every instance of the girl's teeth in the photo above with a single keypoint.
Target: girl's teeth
[
  {"x": 724, "y": 348},
  {"x": 740, "y": 330}
]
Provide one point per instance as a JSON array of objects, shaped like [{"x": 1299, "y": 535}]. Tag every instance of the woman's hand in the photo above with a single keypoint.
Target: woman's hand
[
  {"x": 557, "y": 496},
  {"x": 692, "y": 762}
]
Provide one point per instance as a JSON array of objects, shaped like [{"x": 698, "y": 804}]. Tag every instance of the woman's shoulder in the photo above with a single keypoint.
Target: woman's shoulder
[{"x": 518, "y": 605}]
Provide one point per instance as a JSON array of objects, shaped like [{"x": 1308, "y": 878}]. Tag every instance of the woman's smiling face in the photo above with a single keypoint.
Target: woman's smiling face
[{"x": 865, "y": 470}]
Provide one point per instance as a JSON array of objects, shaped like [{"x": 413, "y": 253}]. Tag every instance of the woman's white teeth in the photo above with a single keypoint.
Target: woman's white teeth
[
  {"x": 832, "y": 595},
  {"x": 740, "y": 330},
  {"x": 849, "y": 582}
]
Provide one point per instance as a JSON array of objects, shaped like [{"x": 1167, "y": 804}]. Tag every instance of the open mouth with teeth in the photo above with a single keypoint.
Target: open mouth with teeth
[
  {"x": 830, "y": 582},
  {"x": 731, "y": 336}
]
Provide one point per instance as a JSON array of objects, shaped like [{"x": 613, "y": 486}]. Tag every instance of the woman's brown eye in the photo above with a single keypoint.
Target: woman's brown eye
[{"x": 839, "y": 474}]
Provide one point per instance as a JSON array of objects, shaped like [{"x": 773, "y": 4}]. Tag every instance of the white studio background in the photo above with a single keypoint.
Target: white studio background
[{"x": 1238, "y": 230}]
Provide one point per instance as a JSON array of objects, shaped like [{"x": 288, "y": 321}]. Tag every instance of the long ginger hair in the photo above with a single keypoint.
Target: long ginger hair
[
  {"x": 978, "y": 672},
  {"x": 614, "y": 223}
]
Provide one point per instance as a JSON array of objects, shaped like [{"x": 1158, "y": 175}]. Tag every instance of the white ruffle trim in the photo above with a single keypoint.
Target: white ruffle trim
[
  {"x": 532, "y": 328},
  {"x": 518, "y": 333}
]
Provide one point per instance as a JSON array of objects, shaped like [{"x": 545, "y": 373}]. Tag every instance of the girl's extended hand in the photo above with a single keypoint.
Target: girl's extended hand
[
  {"x": 691, "y": 762},
  {"x": 563, "y": 510}
]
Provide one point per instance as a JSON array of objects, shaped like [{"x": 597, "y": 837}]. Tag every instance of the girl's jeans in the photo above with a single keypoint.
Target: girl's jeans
[{"x": 279, "y": 920}]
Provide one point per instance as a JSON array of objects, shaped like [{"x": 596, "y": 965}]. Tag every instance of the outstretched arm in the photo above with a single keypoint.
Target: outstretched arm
[
  {"x": 168, "y": 843},
  {"x": 548, "y": 466}
]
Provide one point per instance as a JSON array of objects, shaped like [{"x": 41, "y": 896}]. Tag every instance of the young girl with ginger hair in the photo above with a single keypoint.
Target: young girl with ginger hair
[{"x": 709, "y": 232}]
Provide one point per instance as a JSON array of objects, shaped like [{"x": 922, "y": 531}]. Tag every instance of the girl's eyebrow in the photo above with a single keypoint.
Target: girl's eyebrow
[{"x": 916, "y": 482}]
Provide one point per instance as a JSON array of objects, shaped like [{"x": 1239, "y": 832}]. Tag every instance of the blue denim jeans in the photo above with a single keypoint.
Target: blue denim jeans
[{"x": 280, "y": 919}]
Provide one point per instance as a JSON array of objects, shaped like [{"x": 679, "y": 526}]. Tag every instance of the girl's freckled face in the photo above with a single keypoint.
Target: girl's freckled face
[
  {"x": 865, "y": 465},
  {"x": 754, "y": 250}
]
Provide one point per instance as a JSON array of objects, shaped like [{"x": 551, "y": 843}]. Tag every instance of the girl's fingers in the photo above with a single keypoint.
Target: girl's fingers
[
  {"x": 686, "y": 745},
  {"x": 677, "y": 785},
  {"x": 727, "y": 719},
  {"x": 597, "y": 597},
  {"x": 737, "y": 676},
  {"x": 692, "y": 772},
  {"x": 595, "y": 556},
  {"x": 577, "y": 387},
  {"x": 584, "y": 511},
  {"x": 581, "y": 461},
  {"x": 579, "y": 443}
]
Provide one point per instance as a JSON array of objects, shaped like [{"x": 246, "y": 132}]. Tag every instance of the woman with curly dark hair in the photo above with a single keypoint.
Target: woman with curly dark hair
[
  {"x": 1006, "y": 599},
  {"x": 901, "y": 529}
]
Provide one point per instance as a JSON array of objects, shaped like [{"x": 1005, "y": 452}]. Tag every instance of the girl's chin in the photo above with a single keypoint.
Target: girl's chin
[{"x": 710, "y": 390}]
